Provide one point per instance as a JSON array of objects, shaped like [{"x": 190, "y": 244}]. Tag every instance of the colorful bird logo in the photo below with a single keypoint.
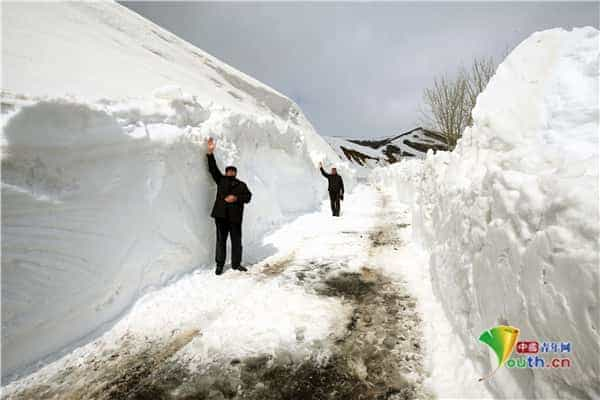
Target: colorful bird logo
[{"x": 502, "y": 340}]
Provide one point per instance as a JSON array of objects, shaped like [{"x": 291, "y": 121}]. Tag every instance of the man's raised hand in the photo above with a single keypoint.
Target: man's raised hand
[
  {"x": 231, "y": 198},
  {"x": 210, "y": 145}
]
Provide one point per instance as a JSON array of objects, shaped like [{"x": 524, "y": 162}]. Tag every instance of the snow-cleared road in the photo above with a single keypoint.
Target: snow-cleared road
[{"x": 329, "y": 315}]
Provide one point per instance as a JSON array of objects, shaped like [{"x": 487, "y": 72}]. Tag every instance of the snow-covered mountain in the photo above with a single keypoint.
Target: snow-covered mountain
[
  {"x": 510, "y": 217},
  {"x": 388, "y": 150},
  {"x": 105, "y": 190}
]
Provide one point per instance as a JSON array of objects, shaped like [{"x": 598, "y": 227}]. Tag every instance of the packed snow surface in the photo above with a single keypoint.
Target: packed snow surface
[
  {"x": 510, "y": 218},
  {"x": 105, "y": 190},
  {"x": 283, "y": 306},
  {"x": 450, "y": 373}
]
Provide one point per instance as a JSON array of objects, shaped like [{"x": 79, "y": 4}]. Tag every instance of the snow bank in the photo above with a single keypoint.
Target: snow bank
[
  {"x": 105, "y": 190},
  {"x": 510, "y": 218},
  {"x": 402, "y": 179}
]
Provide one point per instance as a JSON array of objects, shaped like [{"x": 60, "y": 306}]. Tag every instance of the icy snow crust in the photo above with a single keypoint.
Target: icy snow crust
[
  {"x": 105, "y": 190},
  {"x": 510, "y": 218}
]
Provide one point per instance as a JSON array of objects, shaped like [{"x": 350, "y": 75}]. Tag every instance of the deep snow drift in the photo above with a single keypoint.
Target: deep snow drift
[
  {"x": 510, "y": 218},
  {"x": 105, "y": 193}
]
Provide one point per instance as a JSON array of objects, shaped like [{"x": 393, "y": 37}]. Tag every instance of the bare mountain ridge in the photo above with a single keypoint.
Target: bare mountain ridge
[{"x": 384, "y": 151}]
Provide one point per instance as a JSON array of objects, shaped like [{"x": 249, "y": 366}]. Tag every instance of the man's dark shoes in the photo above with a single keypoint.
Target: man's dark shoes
[
  {"x": 240, "y": 268},
  {"x": 219, "y": 270}
]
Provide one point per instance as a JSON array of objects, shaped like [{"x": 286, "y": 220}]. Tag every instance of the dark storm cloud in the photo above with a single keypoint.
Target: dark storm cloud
[{"x": 359, "y": 69}]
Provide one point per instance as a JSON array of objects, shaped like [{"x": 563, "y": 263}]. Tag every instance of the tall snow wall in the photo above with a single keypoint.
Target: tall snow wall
[
  {"x": 510, "y": 217},
  {"x": 105, "y": 190}
]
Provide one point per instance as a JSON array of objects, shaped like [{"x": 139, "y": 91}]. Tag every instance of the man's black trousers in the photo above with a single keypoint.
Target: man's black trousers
[
  {"x": 334, "y": 199},
  {"x": 224, "y": 229}
]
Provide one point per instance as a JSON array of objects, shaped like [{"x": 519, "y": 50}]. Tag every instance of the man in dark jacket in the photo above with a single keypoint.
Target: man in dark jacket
[
  {"x": 227, "y": 211},
  {"x": 335, "y": 188}
]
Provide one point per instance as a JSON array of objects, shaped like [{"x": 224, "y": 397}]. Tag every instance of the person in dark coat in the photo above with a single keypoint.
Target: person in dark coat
[
  {"x": 227, "y": 211},
  {"x": 335, "y": 188}
]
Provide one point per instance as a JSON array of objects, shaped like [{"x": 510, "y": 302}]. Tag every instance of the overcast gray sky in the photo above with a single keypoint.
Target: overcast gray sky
[{"x": 359, "y": 69}]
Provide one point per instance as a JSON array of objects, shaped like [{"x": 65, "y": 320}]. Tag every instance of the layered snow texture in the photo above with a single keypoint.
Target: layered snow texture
[
  {"x": 105, "y": 190},
  {"x": 510, "y": 218}
]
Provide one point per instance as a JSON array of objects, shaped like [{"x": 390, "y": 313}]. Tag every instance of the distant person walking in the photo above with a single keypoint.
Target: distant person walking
[
  {"x": 335, "y": 188},
  {"x": 227, "y": 211}
]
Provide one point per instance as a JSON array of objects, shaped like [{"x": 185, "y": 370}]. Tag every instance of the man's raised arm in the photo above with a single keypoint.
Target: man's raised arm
[
  {"x": 325, "y": 174},
  {"x": 212, "y": 163}
]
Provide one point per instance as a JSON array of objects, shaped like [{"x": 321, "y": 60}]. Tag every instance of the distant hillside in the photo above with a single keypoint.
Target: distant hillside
[{"x": 384, "y": 151}]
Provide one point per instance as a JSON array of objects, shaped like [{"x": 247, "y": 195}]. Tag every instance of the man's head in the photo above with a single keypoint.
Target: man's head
[
  {"x": 231, "y": 171},
  {"x": 333, "y": 171}
]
